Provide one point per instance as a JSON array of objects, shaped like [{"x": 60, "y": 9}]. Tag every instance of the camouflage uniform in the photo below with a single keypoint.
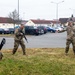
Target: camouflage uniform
[
  {"x": 70, "y": 38},
  {"x": 18, "y": 39}
]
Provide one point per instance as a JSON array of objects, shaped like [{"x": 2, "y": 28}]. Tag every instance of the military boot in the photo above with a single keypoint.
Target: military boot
[
  {"x": 24, "y": 53},
  {"x": 66, "y": 50},
  {"x": 13, "y": 52}
]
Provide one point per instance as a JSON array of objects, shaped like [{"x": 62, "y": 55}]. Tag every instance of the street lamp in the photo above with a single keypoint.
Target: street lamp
[
  {"x": 18, "y": 10},
  {"x": 57, "y": 8}
]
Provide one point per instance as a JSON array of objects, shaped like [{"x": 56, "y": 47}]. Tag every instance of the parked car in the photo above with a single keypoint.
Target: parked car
[
  {"x": 11, "y": 30},
  {"x": 6, "y": 31},
  {"x": 33, "y": 30},
  {"x": 1, "y": 31},
  {"x": 43, "y": 28},
  {"x": 58, "y": 29},
  {"x": 50, "y": 29}
]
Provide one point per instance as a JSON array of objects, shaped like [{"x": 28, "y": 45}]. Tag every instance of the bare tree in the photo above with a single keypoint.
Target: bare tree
[{"x": 15, "y": 17}]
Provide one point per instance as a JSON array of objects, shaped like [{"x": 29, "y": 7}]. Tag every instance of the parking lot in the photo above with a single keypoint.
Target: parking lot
[{"x": 49, "y": 40}]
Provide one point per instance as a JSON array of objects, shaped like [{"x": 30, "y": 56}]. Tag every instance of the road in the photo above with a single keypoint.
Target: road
[{"x": 49, "y": 40}]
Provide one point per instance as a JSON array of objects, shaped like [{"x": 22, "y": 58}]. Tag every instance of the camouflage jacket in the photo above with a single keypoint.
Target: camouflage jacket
[
  {"x": 70, "y": 32},
  {"x": 18, "y": 35}
]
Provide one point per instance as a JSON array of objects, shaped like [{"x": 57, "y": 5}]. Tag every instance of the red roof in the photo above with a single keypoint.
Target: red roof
[
  {"x": 44, "y": 21},
  {"x": 57, "y": 21},
  {"x": 5, "y": 20},
  {"x": 41, "y": 21}
]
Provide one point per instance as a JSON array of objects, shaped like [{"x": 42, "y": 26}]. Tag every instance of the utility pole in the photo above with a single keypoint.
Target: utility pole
[
  {"x": 57, "y": 3},
  {"x": 18, "y": 10}
]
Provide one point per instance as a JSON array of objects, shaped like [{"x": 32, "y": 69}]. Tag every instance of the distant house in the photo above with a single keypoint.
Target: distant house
[
  {"x": 6, "y": 22},
  {"x": 63, "y": 20},
  {"x": 39, "y": 22},
  {"x": 66, "y": 20},
  {"x": 73, "y": 19},
  {"x": 55, "y": 23}
]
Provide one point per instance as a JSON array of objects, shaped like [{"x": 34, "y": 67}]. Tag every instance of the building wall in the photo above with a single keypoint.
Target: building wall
[
  {"x": 30, "y": 23},
  {"x": 6, "y": 25}
]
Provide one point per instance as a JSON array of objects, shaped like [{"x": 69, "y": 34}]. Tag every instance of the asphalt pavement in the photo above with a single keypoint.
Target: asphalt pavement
[{"x": 49, "y": 40}]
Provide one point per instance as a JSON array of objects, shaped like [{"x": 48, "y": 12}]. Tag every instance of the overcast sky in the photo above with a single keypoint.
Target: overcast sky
[{"x": 38, "y": 9}]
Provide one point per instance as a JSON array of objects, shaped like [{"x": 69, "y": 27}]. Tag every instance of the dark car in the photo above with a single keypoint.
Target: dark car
[
  {"x": 43, "y": 28},
  {"x": 6, "y": 31},
  {"x": 33, "y": 30},
  {"x": 50, "y": 29},
  {"x": 1, "y": 31},
  {"x": 11, "y": 30}
]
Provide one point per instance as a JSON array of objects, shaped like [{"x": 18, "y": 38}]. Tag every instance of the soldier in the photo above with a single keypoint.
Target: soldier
[
  {"x": 70, "y": 36},
  {"x": 18, "y": 40}
]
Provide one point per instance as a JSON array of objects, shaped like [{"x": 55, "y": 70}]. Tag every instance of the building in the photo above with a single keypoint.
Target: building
[
  {"x": 65, "y": 21},
  {"x": 6, "y": 22},
  {"x": 39, "y": 22}
]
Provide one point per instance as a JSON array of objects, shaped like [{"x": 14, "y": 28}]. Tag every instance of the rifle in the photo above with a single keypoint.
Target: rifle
[{"x": 24, "y": 36}]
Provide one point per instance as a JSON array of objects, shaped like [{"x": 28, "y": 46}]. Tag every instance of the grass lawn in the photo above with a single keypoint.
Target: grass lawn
[{"x": 40, "y": 61}]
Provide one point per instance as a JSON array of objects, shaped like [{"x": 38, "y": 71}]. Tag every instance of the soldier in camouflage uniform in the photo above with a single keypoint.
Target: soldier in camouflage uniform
[
  {"x": 18, "y": 40},
  {"x": 70, "y": 36}
]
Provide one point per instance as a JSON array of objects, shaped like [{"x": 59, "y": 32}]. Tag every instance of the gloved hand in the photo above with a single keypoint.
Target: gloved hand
[{"x": 21, "y": 34}]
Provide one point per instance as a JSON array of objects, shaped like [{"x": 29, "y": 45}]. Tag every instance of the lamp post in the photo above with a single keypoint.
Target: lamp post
[
  {"x": 18, "y": 10},
  {"x": 57, "y": 8}
]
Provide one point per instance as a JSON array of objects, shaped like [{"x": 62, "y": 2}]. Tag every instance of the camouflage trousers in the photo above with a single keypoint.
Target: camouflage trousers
[
  {"x": 68, "y": 42},
  {"x": 16, "y": 45}
]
